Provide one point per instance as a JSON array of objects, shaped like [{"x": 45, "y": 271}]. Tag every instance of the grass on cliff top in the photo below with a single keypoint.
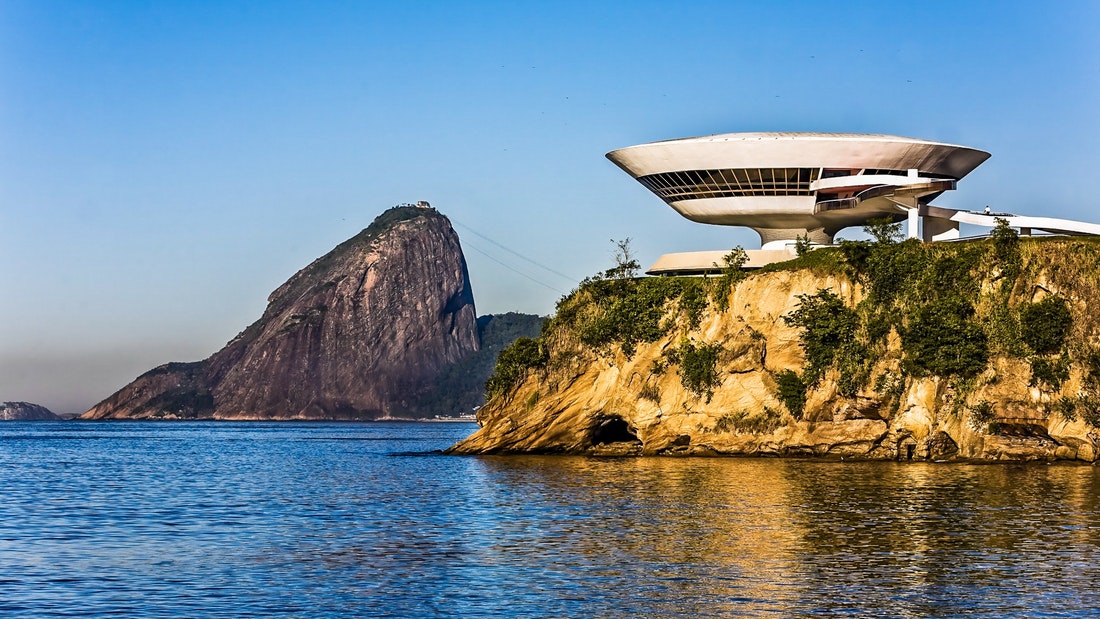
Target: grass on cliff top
[{"x": 822, "y": 261}]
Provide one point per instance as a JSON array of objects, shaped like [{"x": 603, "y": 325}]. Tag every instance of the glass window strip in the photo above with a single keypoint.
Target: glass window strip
[{"x": 732, "y": 182}]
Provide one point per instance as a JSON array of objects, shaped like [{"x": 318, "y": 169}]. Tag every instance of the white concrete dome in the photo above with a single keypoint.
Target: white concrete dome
[{"x": 787, "y": 185}]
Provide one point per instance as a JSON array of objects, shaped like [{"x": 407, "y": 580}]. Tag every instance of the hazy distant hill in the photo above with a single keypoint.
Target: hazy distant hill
[{"x": 25, "y": 411}]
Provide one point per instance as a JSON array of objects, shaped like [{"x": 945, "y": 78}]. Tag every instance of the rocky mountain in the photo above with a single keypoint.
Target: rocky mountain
[
  {"x": 364, "y": 332},
  {"x": 25, "y": 411},
  {"x": 980, "y": 351}
]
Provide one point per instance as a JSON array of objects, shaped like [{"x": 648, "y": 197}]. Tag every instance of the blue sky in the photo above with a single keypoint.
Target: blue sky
[{"x": 165, "y": 165}]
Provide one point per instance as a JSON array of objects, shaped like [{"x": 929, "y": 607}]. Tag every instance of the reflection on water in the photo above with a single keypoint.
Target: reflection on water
[{"x": 324, "y": 520}]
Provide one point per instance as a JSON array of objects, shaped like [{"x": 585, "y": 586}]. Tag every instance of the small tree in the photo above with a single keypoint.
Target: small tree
[
  {"x": 626, "y": 265},
  {"x": 1003, "y": 235},
  {"x": 733, "y": 262},
  {"x": 883, "y": 230},
  {"x": 802, "y": 245},
  {"x": 1006, "y": 250}
]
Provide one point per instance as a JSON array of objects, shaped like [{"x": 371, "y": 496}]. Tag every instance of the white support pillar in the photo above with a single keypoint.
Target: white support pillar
[{"x": 913, "y": 215}]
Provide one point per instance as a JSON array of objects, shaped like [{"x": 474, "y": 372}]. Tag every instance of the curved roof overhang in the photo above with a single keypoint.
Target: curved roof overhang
[{"x": 798, "y": 150}]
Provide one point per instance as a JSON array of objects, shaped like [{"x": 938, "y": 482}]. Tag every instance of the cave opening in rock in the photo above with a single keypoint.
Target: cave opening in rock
[
  {"x": 613, "y": 429},
  {"x": 907, "y": 448}
]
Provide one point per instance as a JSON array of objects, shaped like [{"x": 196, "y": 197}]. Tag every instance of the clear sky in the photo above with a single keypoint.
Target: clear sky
[{"x": 165, "y": 165}]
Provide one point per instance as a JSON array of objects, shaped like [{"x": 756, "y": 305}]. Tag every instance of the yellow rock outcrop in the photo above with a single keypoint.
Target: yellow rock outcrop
[{"x": 605, "y": 402}]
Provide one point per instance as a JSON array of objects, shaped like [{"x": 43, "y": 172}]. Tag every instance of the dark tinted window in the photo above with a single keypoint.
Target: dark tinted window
[{"x": 696, "y": 184}]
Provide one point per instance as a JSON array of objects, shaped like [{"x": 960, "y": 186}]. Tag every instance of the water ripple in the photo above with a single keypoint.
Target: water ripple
[{"x": 316, "y": 520}]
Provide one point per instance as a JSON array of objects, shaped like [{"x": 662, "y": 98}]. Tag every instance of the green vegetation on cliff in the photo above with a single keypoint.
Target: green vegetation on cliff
[
  {"x": 462, "y": 387},
  {"x": 953, "y": 306},
  {"x": 920, "y": 310}
]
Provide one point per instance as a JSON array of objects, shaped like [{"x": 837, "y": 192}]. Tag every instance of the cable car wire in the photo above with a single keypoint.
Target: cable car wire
[
  {"x": 516, "y": 253},
  {"x": 513, "y": 269}
]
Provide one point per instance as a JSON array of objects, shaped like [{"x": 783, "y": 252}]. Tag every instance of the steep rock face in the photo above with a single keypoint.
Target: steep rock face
[
  {"x": 25, "y": 411},
  {"x": 600, "y": 401},
  {"x": 361, "y": 333}
]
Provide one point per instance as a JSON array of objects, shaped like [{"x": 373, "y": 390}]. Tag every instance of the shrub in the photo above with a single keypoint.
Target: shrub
[
  {"x": 1092, "y": 369},
  {"x": 650, "y": 392},
  {"x": 792, "y": 392},
  {"x": 943, "y": 339},
  {"x": 981, "y": 414},
  {"x": 890, "y": 385},
  {"x": 1045, "y": 325},
  {"x": 728, "y": 422},
  {"x": 1067, "y": 407},
  {"x": 693, "y": 300},
  {"x": 1084, "y": 406},
  {"x": 893, "y": 269},
  {"x": 853, "y": 360},
  {"x": 658, "y": 366},
  {"x": 827, "y": 326},
  {"x": 1089, "y": 407},
  {"x": 512, "y": 365},
  {"x": 626, "y": 311},
  {"x": 531, "y": 401},
  {"x": 1003, "y": 326},
  {"x": 1006, "y": 252},
  {"x": 732, "y": 272},
  {"x": 1050, "y": 372},
  {"x": 855, "y": 255},
  {"x": 698, "y": 371}
]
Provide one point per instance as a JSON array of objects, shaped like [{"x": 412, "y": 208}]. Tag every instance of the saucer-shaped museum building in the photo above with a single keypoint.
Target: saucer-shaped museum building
[{"x": 787, "y": 186}]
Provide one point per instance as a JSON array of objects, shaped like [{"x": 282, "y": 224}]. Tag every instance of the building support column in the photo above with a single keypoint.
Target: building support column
[{"x": 912, "y": 213}]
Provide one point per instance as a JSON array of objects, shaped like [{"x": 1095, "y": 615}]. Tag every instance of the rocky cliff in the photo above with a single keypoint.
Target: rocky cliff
[
  {"x": 879, "y": 350},
  {"x": 25, "y": 411},
  {"x": 361, "y": 333}
]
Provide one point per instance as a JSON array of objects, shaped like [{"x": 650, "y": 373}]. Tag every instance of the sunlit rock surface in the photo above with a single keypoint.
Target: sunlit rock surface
[{"x": 603, "y": 402}]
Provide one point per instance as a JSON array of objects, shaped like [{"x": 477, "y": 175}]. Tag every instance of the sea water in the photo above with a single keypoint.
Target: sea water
[{"x": 178, "y": 519}]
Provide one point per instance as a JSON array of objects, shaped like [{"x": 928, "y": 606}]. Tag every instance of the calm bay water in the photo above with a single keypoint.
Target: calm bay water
[{"x": 314, "y": 520}]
